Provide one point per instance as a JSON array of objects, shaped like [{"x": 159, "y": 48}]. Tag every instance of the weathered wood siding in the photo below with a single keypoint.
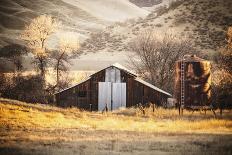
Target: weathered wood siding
[
  {"x": 144, "y": 94},
  {"x": 86, "y": 93}
]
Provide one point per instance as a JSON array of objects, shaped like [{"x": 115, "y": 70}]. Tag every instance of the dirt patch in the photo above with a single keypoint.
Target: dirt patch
[{"x": 85, "y": 142}]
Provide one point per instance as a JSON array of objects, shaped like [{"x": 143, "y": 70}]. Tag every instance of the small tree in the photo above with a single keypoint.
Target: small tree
[
  {"x": 229, "y": 36},
  {"x": 223, "y": 87},
  {"x": 225, "y": 56},
  {"x": 67, "y": 50},
  {"x": 155, "y": 56},
  {"x": 14, "y": 54},
  {"x": 36, "y": 35},
  {"x": 11, "y": 58}
]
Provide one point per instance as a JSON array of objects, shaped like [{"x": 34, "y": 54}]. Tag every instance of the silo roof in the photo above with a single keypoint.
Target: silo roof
[{"x": 191, "y": 58}]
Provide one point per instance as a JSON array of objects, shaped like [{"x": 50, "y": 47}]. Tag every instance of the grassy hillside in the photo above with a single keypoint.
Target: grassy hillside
[
  {"x": 204, "y": 22},
  {"x": 80, "y": 17},
  {"x": 19, "y": 114},
  {"x": 15, "y": 14},
  {"x": 43, "y": 129}
]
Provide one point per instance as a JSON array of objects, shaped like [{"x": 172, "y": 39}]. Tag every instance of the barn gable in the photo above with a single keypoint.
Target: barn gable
[
  {"x": 120, "y": 67},
  {"x": 113, "y": 86}
]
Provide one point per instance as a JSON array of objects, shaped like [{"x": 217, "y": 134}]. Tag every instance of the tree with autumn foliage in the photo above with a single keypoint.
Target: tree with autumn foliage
[
  {"x": 36, "y": 35},
  {"x": 68, "y": 48},
  {"x": 222, "y": 77}
]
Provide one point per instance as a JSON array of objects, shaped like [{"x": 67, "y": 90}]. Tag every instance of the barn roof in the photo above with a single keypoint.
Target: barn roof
[
  {"x": 82, "y": 81},
  {"x": 152, "y": 86},
  {"x": 121, "y": 67}
]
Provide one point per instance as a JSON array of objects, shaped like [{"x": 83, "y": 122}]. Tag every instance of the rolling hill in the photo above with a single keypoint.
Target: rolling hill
[
  {"x": 204, "y": 22},
  {"x": 81, "y": 17},
  {"x": 107, "y": 26},
  {"x": 77, "y": 16}
]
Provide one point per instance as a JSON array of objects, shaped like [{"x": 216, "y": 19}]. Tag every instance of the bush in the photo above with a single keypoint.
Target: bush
[
  {"x": 28, "y": 89},
  {"x": 222, "y": 96}
]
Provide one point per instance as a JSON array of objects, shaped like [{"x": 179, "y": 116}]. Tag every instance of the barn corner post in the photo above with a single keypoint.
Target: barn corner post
[
  {"x": 90, "y": 107},
  {"x": 111, "y": 101},
  {"x": 153, "y": 107}
]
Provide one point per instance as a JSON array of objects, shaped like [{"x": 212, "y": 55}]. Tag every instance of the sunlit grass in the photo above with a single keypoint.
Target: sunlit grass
[{"x": 15, "y": 114}]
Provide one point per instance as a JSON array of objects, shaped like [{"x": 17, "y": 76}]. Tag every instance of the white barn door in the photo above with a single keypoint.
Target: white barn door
[
  {"x": 104, "y": 95},
  {"x": 118, "y": 95}
]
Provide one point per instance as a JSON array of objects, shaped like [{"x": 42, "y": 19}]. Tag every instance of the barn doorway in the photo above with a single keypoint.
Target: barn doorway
[{"x": 112, "y": 95}]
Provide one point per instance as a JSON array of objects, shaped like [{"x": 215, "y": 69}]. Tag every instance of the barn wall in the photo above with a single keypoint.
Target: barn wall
[
  {"x": 66, "y": 98},
  {"x": 83, "y": 95},
  {"x": 71, "y": 96},
  {"x": 98, "y": 77},
  {"x": 86, "y": 93},
  {"x": 140, "y": 93}
]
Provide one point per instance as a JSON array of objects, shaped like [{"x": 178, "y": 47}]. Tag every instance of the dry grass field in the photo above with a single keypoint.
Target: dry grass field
[{"x": 43, "y": 129}]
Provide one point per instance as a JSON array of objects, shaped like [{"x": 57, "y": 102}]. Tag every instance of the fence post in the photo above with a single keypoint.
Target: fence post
[{"x": 90, "y": 106}]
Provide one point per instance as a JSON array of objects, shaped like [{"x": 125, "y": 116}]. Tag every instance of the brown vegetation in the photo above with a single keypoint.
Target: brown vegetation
[
  {"x": 156, "y": 54},
  {"x": 36, "y": 128},
  {"x": 222, "y": 83}
]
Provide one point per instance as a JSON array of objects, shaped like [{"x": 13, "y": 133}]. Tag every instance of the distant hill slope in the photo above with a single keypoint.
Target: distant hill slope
[
  {"x": 79, "y": 16},
  {"x": 146, "y": 3},
  {"x": 109, "y": 10},
  {"x": 203, "y": 21}
]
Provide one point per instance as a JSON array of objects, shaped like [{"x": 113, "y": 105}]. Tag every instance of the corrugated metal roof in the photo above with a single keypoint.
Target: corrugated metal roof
[
  {"x": 119, "y": 66},
  {"x": 191, "y": 58},
  {"x": 152, "y": 86},
  {"x": 74, "y": 85}
]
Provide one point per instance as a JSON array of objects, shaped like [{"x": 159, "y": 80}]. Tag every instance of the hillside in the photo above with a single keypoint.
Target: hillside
[
  {"x": 78, "y": 16},
  {"x": 203, "y": 21},
  {"x": 42, "y": 129},
  {"x": 107, "y": 26},
  {"x": 146, "y": 3}
]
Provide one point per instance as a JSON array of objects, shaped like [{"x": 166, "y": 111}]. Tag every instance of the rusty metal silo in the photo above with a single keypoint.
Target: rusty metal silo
[{"x": 192, "y": 81}]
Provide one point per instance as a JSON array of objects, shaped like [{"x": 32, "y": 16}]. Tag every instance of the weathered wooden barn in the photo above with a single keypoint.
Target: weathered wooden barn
[{"x": 114, "y": 86}]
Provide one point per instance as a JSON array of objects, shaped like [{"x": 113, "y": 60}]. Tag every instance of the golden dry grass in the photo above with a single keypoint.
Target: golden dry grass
[
  {"x": 15, "y": 114},
  {"x": 45, "y": 129}
]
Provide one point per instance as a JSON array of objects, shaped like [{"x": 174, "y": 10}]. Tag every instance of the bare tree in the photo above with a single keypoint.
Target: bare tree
[
  {"x": 67, "y": 50},
  {"x": 35, "y": 35},
  {"x": 155, "y": 56}
]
